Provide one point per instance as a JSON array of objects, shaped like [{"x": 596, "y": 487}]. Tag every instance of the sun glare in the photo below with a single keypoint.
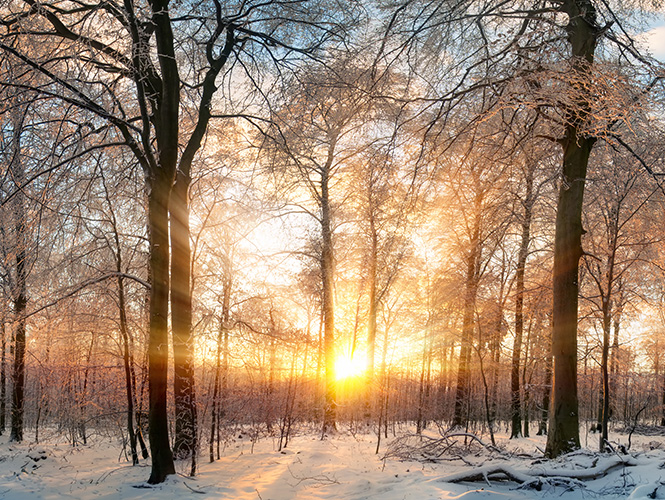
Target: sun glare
[{"x": 347, "y": 366}]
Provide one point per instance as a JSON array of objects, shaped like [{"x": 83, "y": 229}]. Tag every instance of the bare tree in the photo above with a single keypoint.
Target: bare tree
[{"x": 148, "y": 121}]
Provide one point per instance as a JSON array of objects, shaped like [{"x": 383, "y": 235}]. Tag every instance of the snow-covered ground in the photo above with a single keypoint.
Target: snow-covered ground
[{"x": 342, "y": 467}]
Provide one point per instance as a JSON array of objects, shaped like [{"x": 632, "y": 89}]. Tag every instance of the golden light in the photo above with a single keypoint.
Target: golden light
[{"x": 349, "y": 366}]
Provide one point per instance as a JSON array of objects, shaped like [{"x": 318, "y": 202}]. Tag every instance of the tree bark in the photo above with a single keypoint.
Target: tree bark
[
  {"x": 470, "y": 293},
  {"x": 515, "y": 399},
  {"x": 563, "y": 433},
  {"x": 181, "y": 319},
  {"x": 181, "y": 282},
  {"x": 3, "y": 378},
  {"x": 158, "y": 344},
  {"x": 547, "y": 390},
  {"x": 160, "y": 181},
  {"x": 327, "y": 265},
  {"x": 19, "y": 292},
  {"x": 371, "y": 315}
]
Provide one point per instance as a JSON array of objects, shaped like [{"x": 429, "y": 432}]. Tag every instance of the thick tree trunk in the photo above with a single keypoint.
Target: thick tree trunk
[
  {"x": 158, "y": 344},
  {"x": 563, "y": 435},
  {"x": 160, "y": 182},
  {"x": 181, "y": 290},
  {"x": 181, "y": 321}
]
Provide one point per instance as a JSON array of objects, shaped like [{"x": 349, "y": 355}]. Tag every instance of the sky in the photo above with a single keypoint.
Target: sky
[
  {"x": 657, "y": 41},
  {"x": 656, "y": 36}
]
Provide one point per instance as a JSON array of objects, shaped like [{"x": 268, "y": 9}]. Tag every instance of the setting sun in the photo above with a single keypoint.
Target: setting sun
[{"x": 348, "y": 366}]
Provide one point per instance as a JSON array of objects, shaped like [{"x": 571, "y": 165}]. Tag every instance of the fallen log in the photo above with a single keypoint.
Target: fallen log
[{"x": 539, "y": 475}]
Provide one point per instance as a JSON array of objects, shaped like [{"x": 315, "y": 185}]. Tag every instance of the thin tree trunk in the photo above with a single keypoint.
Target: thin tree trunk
[
  {"x": 526, "y": 384},
  {"x": 662, "y": 419},
  {"x": 127, "y": 366},
  {"x": 215, "y": 390},
  {"x": 327, "y": 265},
  {"x": 545, "y": 402},
  {"x": 221, "y": 369},
  {"x": 605, "y": 408},
  {"x": 470, "y": 292},
  {"x": 614, "y": 353},
  {"x": 515, "y": 399},
  {"x": 3, "y": 378},
  {"x": 488, "y": 413},
  {"x": 371, "y": 317},
  {"x": 20, "y": 294},
  {"x": 420, "y": 423},
  {"x": 82, "y": 395}
]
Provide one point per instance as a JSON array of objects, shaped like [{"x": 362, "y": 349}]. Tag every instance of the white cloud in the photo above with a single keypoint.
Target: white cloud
[{"x": 654, "y": 39}]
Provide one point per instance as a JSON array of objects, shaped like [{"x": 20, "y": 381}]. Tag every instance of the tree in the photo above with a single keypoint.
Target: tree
[
  {"x": 617, "y": 241},
  {"x": 21, "y": 266},
  {"x": 514, "y": 64},
  {"x": 313, "y": 137},
  {"x": 138, "y": 101}
]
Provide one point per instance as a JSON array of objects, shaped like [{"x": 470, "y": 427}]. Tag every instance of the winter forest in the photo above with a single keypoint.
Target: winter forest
[{"x": 430, "y": 229}]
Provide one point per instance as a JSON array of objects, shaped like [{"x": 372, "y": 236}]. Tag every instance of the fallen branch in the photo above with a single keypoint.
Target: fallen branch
[
  {"x": 193, "y": 490},
  {"x": 422, "y": 447},
  {"x": 539, "y": 476}
]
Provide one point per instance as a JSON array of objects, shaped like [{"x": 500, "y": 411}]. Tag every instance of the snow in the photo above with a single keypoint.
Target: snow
[{"x": 341, "y": 467}]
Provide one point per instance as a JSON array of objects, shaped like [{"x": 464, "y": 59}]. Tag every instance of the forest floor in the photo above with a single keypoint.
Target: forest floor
[{"x": 343, "y": 467}]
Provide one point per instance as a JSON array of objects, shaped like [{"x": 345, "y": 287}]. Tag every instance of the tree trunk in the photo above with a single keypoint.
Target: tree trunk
[
  {"x": 3, "y": 378},
  {"x": 20, "y": 294},
  {"x": 371, "y": 316},
  {"x": 563, "y": 433},
  {"x": 181, "y": 289},
  {"x": 221, "y": 367},
  {"x": 181, "y": 318},
  {"x": 662, "y": 418},
  {"x": 515, "y": 399},
  {"x": 471, "y": 290},
  {"x": 545, "y": 402},
  {"x": 605, "y": 408},
  {"x": 158, "y": 344},
  {"x": 420, "y": 421},
  {"x": 126, "y": 358},
  {"x": 327, "y": 266},
  {"x": 215, "y": 390},
  {"x": 160, "y": 182}
]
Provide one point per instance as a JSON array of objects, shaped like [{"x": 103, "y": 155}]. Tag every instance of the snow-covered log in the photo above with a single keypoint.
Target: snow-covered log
[{"x": 503, "y": 471}]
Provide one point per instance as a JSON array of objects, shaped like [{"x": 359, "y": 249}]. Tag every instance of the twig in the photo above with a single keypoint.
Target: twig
[
  {"x": 199, "y": 491},
  {"x": 321, "y": 478}
]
